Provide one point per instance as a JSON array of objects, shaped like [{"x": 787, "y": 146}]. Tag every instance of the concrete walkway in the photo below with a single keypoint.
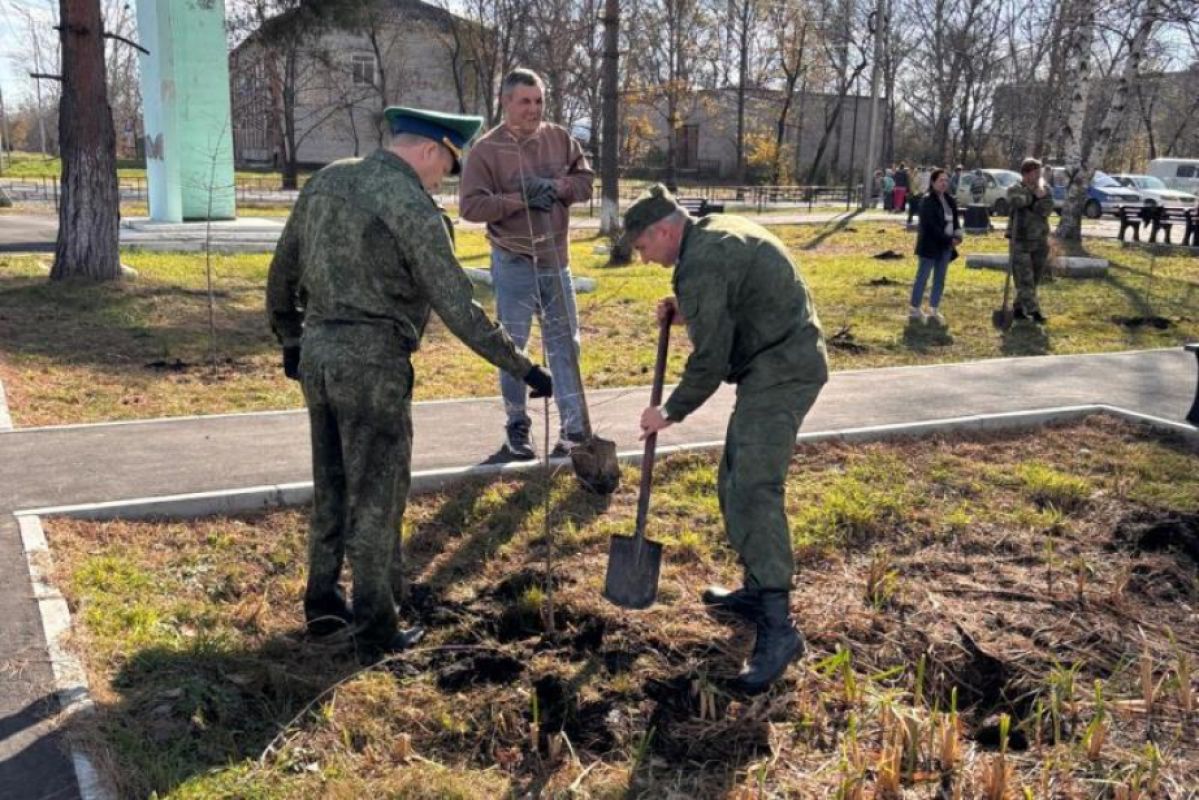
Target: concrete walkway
[{"x": 55, "y": 466}]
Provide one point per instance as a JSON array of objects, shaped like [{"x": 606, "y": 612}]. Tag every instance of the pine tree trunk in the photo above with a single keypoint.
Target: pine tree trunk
[
  {"x": 89, "y": 213},
  {"x": 1070, "y": 227}
]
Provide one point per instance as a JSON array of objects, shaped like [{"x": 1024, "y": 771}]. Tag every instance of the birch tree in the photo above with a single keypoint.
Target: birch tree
[{"x": 1079, "y": 57}]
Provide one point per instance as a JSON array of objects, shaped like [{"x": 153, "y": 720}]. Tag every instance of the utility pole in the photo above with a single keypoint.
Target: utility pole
[
  {"x": 609, "y": 174},
  {"x": 5, "y": 140},
  {"x": 878, "y": 24}
]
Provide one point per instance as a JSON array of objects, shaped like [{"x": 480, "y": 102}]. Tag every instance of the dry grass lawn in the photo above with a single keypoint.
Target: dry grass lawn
[
  {"x": 988, "y": 617},
  {"x": 81, "y": 353}
]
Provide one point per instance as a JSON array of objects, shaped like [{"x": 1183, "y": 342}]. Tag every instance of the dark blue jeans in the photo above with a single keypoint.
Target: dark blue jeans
[{"x": 937, "y": 267}]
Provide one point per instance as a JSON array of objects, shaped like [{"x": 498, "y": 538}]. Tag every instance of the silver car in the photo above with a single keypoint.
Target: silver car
[
  {"x": 995, "y": 185},
  {"x": 1155, "y": 191}
]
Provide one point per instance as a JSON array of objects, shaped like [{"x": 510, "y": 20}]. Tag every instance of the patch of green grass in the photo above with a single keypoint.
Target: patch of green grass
[
  {"x": 1047, "y": 486},
  {"x": 82, "y": 353}
]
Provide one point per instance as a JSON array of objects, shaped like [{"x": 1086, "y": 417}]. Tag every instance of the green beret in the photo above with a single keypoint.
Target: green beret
[{"x": 656, "y": 204}]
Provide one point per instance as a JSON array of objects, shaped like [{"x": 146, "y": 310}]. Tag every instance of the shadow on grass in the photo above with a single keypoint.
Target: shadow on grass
[
  {"x": 477, "y": 535},
  {"x": 831, "y": 229},
  {"x": 1176, "y": 293},
  {"x": 181, "y": 713},
  {"x": 123, "y": 327},
  {"x": 1025, "y": 338},
  {"x": 920, "y": 337}
]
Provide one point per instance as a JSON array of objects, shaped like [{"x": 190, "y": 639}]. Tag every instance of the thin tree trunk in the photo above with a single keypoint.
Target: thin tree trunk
[
  {"x": 290, "y": 159},
  {"x": 89, "y": 215}
]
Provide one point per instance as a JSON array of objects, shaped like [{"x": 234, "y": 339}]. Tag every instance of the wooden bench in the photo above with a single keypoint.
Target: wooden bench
[
  {"x": 1159, "y": 219},
  {"x": 1129, "y": 217},
  {"x": 1162, "y": 219},
  {"x": 699, "y": 206},
  {"x": 1193, "y": 414}
]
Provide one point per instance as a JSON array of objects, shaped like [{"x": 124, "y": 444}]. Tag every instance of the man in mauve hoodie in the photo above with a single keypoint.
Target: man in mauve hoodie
[{"x": 521, "y": 178}]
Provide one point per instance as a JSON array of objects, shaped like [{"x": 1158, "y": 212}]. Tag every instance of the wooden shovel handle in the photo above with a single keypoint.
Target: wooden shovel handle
[{"x": 651, "y": 441}]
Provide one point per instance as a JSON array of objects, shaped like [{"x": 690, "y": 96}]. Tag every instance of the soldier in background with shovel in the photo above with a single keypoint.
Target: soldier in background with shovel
[{"x": 751, "y": 322}]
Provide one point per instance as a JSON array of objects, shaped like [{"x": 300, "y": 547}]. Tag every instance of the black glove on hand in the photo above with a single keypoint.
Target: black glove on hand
[
  {"x": 291, "y": 362},
  {"x": 540, "y": 194},
  {"x": 540, "y": 382}
]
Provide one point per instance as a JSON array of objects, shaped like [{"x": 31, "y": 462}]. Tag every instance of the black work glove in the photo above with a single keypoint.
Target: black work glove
[
  {"x": 540, "y": 194},
  {"x": 291, "y": 361},
  {"x": 540, "y": 382}
]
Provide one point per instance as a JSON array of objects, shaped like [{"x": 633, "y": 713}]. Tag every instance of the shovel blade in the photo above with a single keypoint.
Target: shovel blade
[
  {"x": 1001, "y": 319},
  {"x": 632, "y": 579},
  {"x": 595, "y": 464}
]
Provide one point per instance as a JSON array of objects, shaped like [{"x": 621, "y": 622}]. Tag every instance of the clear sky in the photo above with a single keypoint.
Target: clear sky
[{"x": 14, "y": 45}]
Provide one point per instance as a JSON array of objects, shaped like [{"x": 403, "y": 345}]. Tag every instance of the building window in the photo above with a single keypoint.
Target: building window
[{"x": 362, "y": 69}]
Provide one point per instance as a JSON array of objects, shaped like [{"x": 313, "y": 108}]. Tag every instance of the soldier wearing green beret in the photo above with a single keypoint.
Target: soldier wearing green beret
[
  {"x": 751, "y": 322},
  {"x": 364, "y": 258},
  {"x": 1031, "y": 203}
]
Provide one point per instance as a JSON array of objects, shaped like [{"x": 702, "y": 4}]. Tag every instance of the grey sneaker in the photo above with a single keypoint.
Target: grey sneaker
[
  {"x": 518, "y": 443},
  {"x": 565, "y": 444}
]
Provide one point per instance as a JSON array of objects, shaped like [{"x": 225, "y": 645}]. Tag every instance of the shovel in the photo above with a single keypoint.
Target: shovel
[
  {"x": 1001, "y": 318},
  {"x": 593, "y": 459},
  {"x": 634, "y": 561}
]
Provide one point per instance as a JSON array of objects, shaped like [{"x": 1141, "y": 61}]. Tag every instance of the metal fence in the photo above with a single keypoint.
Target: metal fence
[{"x": 265, "y": 191}]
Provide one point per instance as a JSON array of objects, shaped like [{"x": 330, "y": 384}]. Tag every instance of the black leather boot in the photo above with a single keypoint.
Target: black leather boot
[
  {"x": 370, "y": 652},
  {"x": 327, "y": 615},
  {"x": 778, "y": 643},
  {"x": 742, "y": 602}
]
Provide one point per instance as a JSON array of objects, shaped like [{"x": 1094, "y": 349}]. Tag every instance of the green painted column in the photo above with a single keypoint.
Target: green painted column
[{"x": 188, "y": 122}]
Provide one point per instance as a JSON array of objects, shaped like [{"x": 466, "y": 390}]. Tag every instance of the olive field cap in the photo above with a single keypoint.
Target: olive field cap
[
  {"x": 654, "y": 205},
  {"x": 453, "y": 131}
]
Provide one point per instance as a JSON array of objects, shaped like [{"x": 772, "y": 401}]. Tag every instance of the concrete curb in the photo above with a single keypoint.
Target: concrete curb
[
  {"x": 5, "y": 419},
  {"x": 70, "y": 680},
  {"x": 261, "y": 498}
]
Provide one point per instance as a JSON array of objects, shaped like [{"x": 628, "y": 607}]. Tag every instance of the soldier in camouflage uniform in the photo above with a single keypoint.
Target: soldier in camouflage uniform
[
  {"x": 364, "y": 258},
  {"x": 751, "y": 322},
  {"x": 1031, "y": 203}
]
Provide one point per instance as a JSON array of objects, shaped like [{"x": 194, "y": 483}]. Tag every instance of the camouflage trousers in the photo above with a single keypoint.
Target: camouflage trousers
[
  {"x": 1030, "y": 267},
  {"x": 361, "y": 426},
  {"x": 752, "y": 480}
]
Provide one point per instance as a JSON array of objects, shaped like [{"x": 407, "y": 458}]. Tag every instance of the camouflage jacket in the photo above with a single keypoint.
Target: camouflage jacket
[
  {"x": 748, "y": 313},
  {"x": 364, "y": 257},
  {"x": 1029, "y": 221}
]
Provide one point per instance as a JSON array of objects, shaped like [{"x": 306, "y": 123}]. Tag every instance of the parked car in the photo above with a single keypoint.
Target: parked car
[
  {"x": 1103, "y": 195},
  {"x": 995, "y": 193},
  {"x": 1155, "y": 191},
  {"x": 1177, "y": 173}
]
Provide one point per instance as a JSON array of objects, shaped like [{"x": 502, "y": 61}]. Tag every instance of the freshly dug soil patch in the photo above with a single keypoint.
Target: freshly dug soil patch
[
  {"x": 499, "y": 669},
  {"x": 1160, "y": 323},
  {"x": 1154, "y": 531}
]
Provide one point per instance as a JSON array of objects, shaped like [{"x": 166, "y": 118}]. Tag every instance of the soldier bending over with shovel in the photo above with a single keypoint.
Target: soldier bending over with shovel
[{"x": 751, "y": 322}]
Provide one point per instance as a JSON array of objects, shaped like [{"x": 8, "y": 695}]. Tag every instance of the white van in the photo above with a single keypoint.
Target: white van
[{"x": 1177, "y": 173}]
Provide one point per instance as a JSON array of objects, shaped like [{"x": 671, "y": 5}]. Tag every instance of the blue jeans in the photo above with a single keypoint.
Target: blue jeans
[
  {"x": 517, "y": 296},
  {"x": 937, "y": 267}
]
